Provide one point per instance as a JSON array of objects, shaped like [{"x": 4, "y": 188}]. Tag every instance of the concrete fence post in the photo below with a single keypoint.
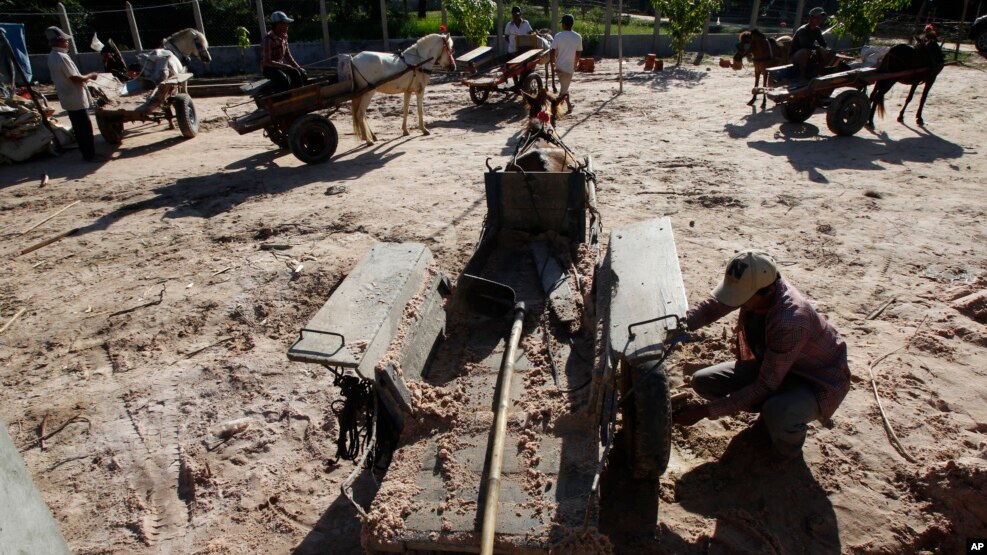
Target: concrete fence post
[
  {"x": 555, "y": 16},
  {"x": 754, "y": 13},
  {"x": 64, "y": 19},
  {"x": 608, "y": 16},
  {"x": 197, "y": 13},
  {"x": 656, "y": 33},
  {"x": 324, "y": 15},
  {"x": 500, "y": 27},
  {"x": 799, "y": 10},
  {"x": 383, "y": 23},
  {"x": 442, "y": 6},
  {"x": 134, "y": 33},
  {"x": 261, "y": 20}
]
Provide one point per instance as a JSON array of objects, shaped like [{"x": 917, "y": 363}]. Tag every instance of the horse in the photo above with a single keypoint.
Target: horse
[
  {"x": 765, "y": 52},
  {"x": 188, "y": 42},
  {"x": 925, "y": 59},
  {"x": 540, "y": 148},
  {"x": 406, "y": 72}
]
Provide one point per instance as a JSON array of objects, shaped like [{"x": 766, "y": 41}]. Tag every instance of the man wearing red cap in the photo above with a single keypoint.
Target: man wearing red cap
[{"x": 791, "y": 364}]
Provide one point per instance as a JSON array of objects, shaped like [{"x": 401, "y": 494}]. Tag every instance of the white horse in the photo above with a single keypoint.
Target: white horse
[
  {"x": 188, "y": 42},
  {"x": 406, "y": 72}
]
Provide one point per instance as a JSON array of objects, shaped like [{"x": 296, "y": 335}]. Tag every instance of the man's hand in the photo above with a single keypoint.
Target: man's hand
[{"x": 690, "y": 413}]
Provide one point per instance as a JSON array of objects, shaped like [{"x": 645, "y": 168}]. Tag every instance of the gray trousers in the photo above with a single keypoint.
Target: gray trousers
[{"x": 786, "y": 413}]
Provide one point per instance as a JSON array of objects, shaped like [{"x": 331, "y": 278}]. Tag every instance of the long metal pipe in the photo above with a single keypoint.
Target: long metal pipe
[{"x": 500, "y": 434}]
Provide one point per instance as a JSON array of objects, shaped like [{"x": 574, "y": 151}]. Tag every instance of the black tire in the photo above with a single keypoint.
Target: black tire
[
  {"x": 277, "y": 136},
  {"x": 478, "y": 95},
  {"x": 980, "y": 40},
  {"x": 648, "y": 422},
  {"x": 188, "y": 122},
  {"x": 798, "y": 111},
  {"x": 531, "y": 83},
  {"x": 848, "y": 113},
  {"x": 110, "y": 128},
  {"x": 313, "y": 139}
]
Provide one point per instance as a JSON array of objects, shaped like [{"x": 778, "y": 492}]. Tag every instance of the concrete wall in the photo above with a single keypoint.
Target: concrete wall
[{"x": 230, "y": 60}]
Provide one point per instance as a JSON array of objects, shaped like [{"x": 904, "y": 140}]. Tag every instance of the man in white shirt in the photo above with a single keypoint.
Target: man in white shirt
[
  {"x": 71, "y": 88},
  {"x": 566, "y": 48},
  {"x": 516, "y": 26}
]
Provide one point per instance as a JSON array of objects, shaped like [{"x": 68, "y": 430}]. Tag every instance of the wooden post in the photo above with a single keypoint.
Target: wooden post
[
  {"x": 608, "y": 15},
  {"x": 956, "y": 53},
  {"x": 702, "y": 41},
  {"x": 64, "y": 18},
  {"x": 755, "y": 13},
  {"x": 799, "y": 12},
  {"x": 261, "y": 20},
  {"x": 323, "y": 15},
  {"x": 656, "y": 34},
  {"x": 442, "y": 6},
  {"x": 197, "y": 13},
  {"x": 555, "y": 16},
  {"x": 134, "y": 33},
  {"x": 620, "y": 47},
  {"x": 500, "y": 27},
  {"x": 383, "y": 23}
]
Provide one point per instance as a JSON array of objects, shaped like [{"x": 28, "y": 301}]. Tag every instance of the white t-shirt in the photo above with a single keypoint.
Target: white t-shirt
[
  {"x": 512, "y": 31},
  {"x": 71, "y": 95},
  {"x": 566, "y": 44}
]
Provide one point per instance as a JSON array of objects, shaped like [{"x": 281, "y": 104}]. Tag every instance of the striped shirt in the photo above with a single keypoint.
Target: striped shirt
[{"x": 796, "y": 340}]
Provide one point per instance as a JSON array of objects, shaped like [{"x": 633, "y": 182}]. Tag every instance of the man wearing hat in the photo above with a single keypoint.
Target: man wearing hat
[
  {"x": 516, "y": 26},
  {"x": 809, "y": 41},
  {"x": 791, "y": 364},
  {"x": 566, "y": 48},
  {"x": 71, "y": 88},
  {"x": 277, "y": 63}
]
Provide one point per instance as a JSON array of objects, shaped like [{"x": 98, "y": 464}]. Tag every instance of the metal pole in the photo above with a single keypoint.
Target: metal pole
[
  {"x": 799, "y": 11},
  {"x": 606, "y": 28},
  {"x": 500, "y": 435},
  {"x": 198, "y": 17},
  {"x": 754, "y": 13},
  {"x": 620, "y": 47},
  {"x": 261, "y": 20},
  {"x": 657, "y": 33},
  {"x": 383, "y": 23},
  {"x": 555, "y": 16},
  {"x": 500, "y": 27},
  {"x": 64, "y": 18},
  {"x": 134, "y": 33},
  {"x": 326, "y": 45}
]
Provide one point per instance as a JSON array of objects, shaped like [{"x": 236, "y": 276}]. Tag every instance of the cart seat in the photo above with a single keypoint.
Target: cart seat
[{"x": 526, "y": 57}]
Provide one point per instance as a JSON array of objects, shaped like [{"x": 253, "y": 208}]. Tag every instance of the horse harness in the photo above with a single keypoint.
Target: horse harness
[
  {"x": 433, "y": 62},
  {"x": 530, "y": 137}
]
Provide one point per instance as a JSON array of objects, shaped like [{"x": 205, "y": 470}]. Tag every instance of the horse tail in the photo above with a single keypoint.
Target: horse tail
[
  {"x": 357, "y": 119},
  {"x": 879, "y": 103}
]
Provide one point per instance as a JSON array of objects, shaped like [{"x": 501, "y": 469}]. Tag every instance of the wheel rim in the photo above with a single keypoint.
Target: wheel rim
[
  {"x": 315, "y": 140},
  {"x": 190, "y": 112},
  {"x": 851, "y": 112}
]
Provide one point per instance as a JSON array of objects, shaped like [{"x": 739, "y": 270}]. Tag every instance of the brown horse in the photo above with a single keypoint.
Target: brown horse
[
  {"x": 925, "y": 60},
  {"x": 764, "y": 52},
  {"x": 540, "y": 148}
]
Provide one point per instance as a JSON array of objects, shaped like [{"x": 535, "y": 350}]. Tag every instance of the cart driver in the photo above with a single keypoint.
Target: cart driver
[
  {"x": 791, "y": 363},
  {"x": 809, "y": 43},
  {"x": 516, "y": 26},
  {"x": 277, "y": 62},
  {"x": 71, "y": 88}
]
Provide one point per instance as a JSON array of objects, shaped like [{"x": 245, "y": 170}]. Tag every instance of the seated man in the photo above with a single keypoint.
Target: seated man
[
  {"x": 808, "y": 45},
  {"x": 277, "y": 63},
  {"x": 791, "y": 363}
]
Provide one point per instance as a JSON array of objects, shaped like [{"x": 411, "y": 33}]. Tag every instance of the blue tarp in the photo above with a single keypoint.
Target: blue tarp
[{"x": 15, "y": 36}]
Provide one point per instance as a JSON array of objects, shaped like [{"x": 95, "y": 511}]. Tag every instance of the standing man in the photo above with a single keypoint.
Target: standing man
[
  {"x": 516, "y": 26},
  {"x": 566, "y": 49},
  {"x": 71, "y": 88},
  {"x": 791, "y": 364},
  {"x": 808, "y": 39},
  {"x": 277, "y": 63}
]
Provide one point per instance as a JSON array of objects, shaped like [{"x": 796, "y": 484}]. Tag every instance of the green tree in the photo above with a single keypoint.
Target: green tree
[
  {"x": 859, "y": 18},
  {"x": 685, "y": 20},
  {"x": 474, "y": 17}
]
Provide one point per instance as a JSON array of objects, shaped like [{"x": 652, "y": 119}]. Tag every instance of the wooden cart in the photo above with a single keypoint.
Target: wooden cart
[
  {"x": 523, "y": 66},
  {"x": 168, "y": 100}
]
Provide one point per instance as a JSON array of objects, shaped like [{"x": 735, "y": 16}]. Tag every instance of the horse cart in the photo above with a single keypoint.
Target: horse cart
[
  {"x": 488, "y": 440},
  {"x": 522, "y": 69},
  {"x": 847, "y": 113}
]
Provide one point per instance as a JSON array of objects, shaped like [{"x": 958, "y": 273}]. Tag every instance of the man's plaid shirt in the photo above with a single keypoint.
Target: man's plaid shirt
[{"x": 797, "y": 340}]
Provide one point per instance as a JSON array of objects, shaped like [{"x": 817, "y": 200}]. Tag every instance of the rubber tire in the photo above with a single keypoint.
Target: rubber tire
[
  {"x": 278, "y": 137},
  {"x": 980, "y": 41},
  {"x": 648, "y": 421},
  {"x": 531, "y": 83},
  {"x": 313, "y": 139},
  {"x": 848, "y": 113},
  {"x": 478, "y": 95},
  {"x": 798, "y": 112},
  {"x": 110, "y": 128},
  {"x": 188, "y": 121}
]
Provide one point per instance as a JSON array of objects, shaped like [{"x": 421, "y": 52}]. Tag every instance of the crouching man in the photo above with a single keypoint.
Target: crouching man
[{"x": 791, "y": 364}]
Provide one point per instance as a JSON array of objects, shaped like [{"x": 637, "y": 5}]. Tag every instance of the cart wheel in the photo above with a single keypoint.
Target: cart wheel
[
  {"x": 277, "y": 136},
  {"x": 478, "y": 95},
  {"x": 188, "y": 123},
  {"x": 798, "y": 112},
  {"x": 110, "y": 128},
  {"x": 313, "y": 139},
  {"x": 648, "y": 422},
  {"x": 531, "y": 83},
  {"x": 848, "y": 113}
]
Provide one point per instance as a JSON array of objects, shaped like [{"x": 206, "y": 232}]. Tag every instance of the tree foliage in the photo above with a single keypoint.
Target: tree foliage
[
  {"x": 474, "y": 17},
  {"x": 859, "y": 18},
  {"x": 685, "y": 20}
]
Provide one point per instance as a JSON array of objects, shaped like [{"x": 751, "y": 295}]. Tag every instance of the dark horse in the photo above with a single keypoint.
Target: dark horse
[
  {"x": 540, "y": 149},
  {"x": 764, "y": 52},
  {"x": 925, "y": 60}
]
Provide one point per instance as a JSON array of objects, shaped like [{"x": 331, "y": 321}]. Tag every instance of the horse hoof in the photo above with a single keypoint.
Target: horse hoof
[
  {"x": 426, "y": 132},
  {"x": 920, "y": 121},
  {"x": 405, "y": 133},
  {"x": 751, "y": 103},
  {"x": 901, "y": 120}
]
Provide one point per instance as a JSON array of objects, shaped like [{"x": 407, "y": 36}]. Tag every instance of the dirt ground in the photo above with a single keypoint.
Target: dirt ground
[{"x": 160, "y": 327}]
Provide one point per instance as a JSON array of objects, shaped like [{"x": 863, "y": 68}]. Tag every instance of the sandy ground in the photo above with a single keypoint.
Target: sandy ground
[{"x": 161, "y": 321}]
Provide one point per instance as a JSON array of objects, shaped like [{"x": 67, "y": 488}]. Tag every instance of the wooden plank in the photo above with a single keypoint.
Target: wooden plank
[
  {"x": 646, "y": 282},
  {"x": 526, "y": 56},
  {"x": 366, "y": 309},
  {"x": 473, "y": 55},
  {"x": 554, "y": 283}
]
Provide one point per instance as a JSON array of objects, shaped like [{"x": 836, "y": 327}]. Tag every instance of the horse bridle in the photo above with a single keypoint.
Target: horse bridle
[
  {"x": 750, "y": 50},
  {"x": 434, "y": 61},
  {"x": 171, "y": 46}
]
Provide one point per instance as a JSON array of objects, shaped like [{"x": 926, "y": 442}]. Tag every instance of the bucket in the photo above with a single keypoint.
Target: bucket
[
  {"x": 649, "y": 62},
  {"x": 587, "y": 64},
  {"x": 659, "y": 65}
]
